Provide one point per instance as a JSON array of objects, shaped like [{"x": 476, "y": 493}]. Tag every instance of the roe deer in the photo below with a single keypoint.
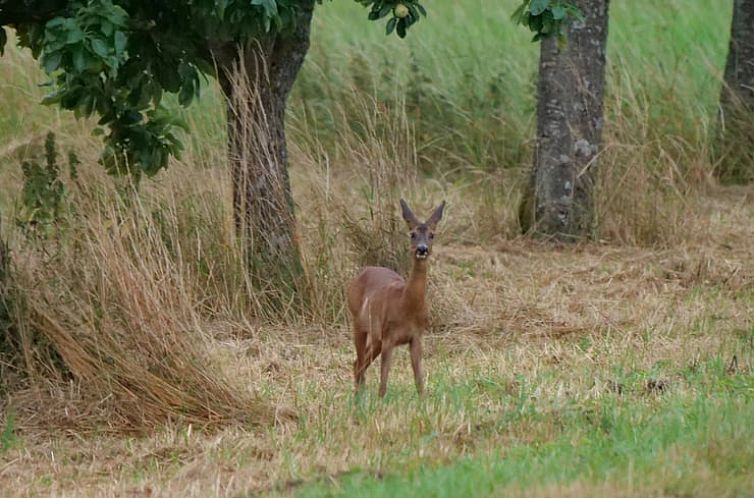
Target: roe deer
[{"x": 388, "y": 311}]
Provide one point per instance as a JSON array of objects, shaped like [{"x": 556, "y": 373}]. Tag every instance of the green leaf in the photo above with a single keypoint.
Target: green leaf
[
  {"x": 85, "y": 107},
  {"x": 51, "y": 62},
  {"x": 79, "y": 59},
  {"x": 75, "y": 35},
  {"x": 120, "y": 42},
  {"x": 414, "y": 13},
  {"x": 270, "y": 10},
  {"x": 55, "y": 22},
  {"x": 116, "y": 15},
  {"x": 558, "y": 12},
  {"x": 535, "y": 23},
  {"x": 538, "y": 6},
  {"x": 547, "y": 23},
  {"x": 99, "y": 47},
  {"x": 401, "y": 28},
  {"x": 53, "y": 98},
  {"x": 391, "y": 25},
  {"x": 106, "y": 28}
]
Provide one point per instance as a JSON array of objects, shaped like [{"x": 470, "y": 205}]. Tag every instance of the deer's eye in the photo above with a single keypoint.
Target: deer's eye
[
  {"x": 413, "y": 236},
  {"x": 431, "y": 236}
]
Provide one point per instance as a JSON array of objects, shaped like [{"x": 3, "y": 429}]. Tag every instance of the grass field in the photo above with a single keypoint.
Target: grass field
[{"x": 620, "y": 367}]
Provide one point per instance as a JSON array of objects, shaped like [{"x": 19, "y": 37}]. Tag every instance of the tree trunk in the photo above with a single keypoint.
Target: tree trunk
[
  {"x": 558, "y": 202},
  {"x": 6, "y": 341},
  {"x": 256, "y": 80},
  {"x": 737, "y": 98}
]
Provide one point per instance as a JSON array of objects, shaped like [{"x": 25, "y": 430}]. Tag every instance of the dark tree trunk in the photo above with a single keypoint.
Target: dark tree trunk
[
  {"x": 558, "y": 202},
  {"x": 5, "y": 312},
  {"x": 256, "y": 79},
  {"x": 737, "y": 98}
]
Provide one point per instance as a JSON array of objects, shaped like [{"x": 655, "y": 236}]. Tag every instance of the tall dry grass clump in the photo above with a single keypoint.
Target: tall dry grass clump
[
  {"x": 349, "y": 214},
  {"x": 347, "y": 201},
  {"x": 654, "y": 167},
  {"x": 111, "y": 314},
  {"x": 384, "y": 167},
  {"x": 735, "y": 134}
]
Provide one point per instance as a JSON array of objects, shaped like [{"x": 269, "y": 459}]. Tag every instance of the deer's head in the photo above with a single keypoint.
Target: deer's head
[{"x": 422, "y": 234}]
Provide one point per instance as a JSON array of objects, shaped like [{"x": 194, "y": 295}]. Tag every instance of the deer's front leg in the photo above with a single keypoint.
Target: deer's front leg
[
  {"x": 385, "y": 360},
  {"x": 416, "y": 364}
]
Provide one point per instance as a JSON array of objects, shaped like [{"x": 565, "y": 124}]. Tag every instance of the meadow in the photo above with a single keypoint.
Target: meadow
[{"x": 139, "y": 359}]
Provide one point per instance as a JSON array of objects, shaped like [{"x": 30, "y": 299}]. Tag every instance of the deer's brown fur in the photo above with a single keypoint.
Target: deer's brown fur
[{"x": 388, "y": 311}]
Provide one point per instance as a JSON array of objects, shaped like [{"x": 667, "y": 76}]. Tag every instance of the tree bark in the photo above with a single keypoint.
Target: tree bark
[
  {"x": 256, "y": 79},
  {"x": 558, "y": 201},
  {"x": 6, "y": 346},
  {"x": 737, "y": 98}
]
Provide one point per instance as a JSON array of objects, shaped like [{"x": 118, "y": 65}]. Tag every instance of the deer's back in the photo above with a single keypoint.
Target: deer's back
[{"x": 373, "y": 283}]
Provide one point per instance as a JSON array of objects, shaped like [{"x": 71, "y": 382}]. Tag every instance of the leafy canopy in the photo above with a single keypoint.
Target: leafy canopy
[
  {"x": 545, "y": 17},
  {"x": 117, "y": 58}
]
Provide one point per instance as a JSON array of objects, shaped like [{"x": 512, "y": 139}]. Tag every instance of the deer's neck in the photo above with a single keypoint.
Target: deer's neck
[{"x": 416, "y": 287}]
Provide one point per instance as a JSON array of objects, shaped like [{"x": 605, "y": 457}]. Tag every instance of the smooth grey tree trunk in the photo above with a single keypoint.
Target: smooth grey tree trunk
[
  {"x": 256, "y": 80},
  {"x": 737, "y": 98},
  {"x": 558, "y": 202}
]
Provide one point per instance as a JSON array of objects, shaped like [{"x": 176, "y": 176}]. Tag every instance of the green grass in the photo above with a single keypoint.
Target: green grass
[
  {"x": 693, "y": 440},
  {"x": 8, "y": 437},
  {"x": 466, "y": 75},
  {"x": 672, "y": 449}
]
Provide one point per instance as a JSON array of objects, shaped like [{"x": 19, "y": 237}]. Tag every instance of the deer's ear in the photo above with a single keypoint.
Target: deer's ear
[
  {"x": 408, "y": 215},
  {"x": 436, "y": 215}
]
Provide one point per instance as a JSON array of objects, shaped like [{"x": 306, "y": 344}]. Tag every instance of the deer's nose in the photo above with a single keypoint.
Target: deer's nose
[{"x": 422, "y": 249}]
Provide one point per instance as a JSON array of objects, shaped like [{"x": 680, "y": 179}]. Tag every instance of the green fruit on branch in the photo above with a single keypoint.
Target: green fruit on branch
[{"x": 400, "y": 10}]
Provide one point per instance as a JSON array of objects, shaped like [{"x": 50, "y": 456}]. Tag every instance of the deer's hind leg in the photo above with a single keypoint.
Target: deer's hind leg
[
  {"x": 359, "y": 368},
  {"x": 372, "y": 351}
]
